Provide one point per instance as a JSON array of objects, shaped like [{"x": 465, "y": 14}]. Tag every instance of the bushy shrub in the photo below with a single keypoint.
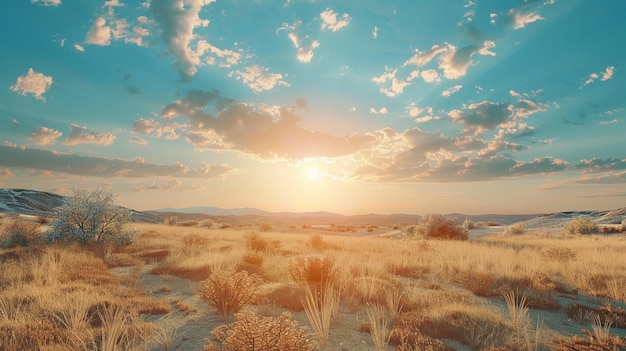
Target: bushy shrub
[
  {"x": 92, "y": 216},
  {"x": 228, "y": 292},
  {"x": 18, "y": 232},
  {"x": 436, "y": 226},
  {"x": 580, "y": 225},
  {"x": 314, "y": 271},
  {"x": 251, "y": 333}
]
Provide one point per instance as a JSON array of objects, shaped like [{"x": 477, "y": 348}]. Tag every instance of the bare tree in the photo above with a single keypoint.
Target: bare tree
[{"x": 92, "y": 216}]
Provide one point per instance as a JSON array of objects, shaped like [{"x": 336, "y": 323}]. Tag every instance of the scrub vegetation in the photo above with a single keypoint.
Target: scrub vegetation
[{"x": 296, "y": 290}]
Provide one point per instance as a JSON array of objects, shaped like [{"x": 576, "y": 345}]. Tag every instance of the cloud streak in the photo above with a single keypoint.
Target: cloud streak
[{"x": 31, "y": 158}]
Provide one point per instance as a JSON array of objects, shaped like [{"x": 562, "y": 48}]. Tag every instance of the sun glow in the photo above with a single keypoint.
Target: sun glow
[{"x": 312, "y": 173}]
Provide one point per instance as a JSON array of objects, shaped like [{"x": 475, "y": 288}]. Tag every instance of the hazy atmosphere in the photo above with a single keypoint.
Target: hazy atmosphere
[{"x": 346, "y": 106}]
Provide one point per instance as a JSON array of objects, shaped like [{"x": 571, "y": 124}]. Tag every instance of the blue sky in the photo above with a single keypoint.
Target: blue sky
[{"x": 434, "y": 106}]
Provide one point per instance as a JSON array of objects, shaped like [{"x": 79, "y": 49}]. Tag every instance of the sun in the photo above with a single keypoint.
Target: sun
[{"x": 312, "y": 173}]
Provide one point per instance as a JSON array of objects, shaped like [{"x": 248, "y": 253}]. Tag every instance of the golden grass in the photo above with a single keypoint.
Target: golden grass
[{"x": 66, "y": 296}]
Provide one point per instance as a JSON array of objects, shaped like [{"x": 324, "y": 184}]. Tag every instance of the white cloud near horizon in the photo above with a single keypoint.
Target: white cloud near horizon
[{"x": 34, "y": 83}]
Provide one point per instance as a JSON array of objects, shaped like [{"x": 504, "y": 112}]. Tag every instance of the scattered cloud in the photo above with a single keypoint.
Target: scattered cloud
[
  {"x": 604, "y": 76},
  {"x": 137, "y": 140},
  {"x": 100, "y": 33},
  {"x": 526, "y": 13},
  {"x": 102, "y": 167},
  {"x": 451, "y": 91},
  {"x": 380, "y": 111},
  {"x": 44, "y": 135},
  {"x": 34, "y": 83},
  {"x": 430, "y": 76},
  {"x": 375, "y": 32},
  {"x": 266, "y": 133},
  {"x": 177, "y": 23},
  {"x": 79, "y": 47},
  {"x": 81, "y": 135},
  {"x": 224, "y": 58},
  {"x": 168, "y": 185},
  {"x": 5, "y": 173},
  {"x": 483, "y": 116},
  {"x": 608, "y": 73},
  {"x": 47, "y": 2},
  {"x": 258, "y": 78},
  {"x": 331, "y": 22},
  {"x": 305, "y": 45}
]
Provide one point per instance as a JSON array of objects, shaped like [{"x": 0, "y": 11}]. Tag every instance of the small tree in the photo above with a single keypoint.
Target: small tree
[
  {"x": 92, "y": 216},
  {"x": 436, "y": 226}
]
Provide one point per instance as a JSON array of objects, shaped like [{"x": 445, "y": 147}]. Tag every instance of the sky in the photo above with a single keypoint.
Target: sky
[{"x": 353, "y": 106}]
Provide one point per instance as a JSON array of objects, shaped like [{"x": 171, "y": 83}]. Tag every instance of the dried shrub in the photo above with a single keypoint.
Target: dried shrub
[
  {"x": 577, "y": 343},
  {"x": 317, "y": 242},
  {"x": 256, "y": 242},
  {"x": 580, "y": 225},
  {"x": 18, "y": 232},
  {"x": 559, "y": 254},
  {"x": 436, "y": 226},
  {"x": 251, "y": 333},
  {"x": 583, "y": 314},
  {"x": 314, "y": 271},
  {"x": 287, "y": 297},
  {"x": 480, "y": 283},
  {"x": 228, "y": 292}
]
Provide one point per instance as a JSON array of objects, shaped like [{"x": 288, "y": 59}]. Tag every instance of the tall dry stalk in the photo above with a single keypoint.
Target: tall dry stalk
[
  {"x": 380, "y": 322},
  {"x": 518, "y": 309},
  {"x": 319, "y": 308},
  {"x": 601, "y": 329}
]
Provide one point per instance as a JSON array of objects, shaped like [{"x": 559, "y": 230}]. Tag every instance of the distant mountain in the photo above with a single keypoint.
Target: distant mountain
[
  {"x": 41, "y": 203},
  {"x": 216, "y": 211}
]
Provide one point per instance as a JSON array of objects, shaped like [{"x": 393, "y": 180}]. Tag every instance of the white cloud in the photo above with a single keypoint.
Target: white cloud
[
  {"x": 422, "y": 58},
  {"x": 137, "y": 140},
  {"x": 44, "y": 135},
  {"x": 608, "y": 73},
  {"x": 413, "y": 110},
  {"x": 259, "y": 79},
  {"x": 227, "y": 58},
  {"x": 375, "y": 32},
  {"x": 5, "y": 173},
  {"x": 39, "y": 159},
  {"x": 47, "y": 2},
  {"x": 178, "y": 21},
  {"x": 451, "y": 91},
  {"x": 81, "y": 135},
  {"x": 430, "y": 76},
  {"x": 381, "y": 111},
  {"x": 455, "y": 62},
  {"x": 330, "y": 21},
  {"x": 100, "y": 33},
  {"x": 520, "y": 19},
  {"x": 79, "y": 47},
  {"x": 111, "y": 4},
  {"x": 526, "y": 13},
  {"x": 305, "y": 45},
  {"x": 34, "y": 83}
]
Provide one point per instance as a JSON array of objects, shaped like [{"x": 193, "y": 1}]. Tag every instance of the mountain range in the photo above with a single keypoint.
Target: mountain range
[{"x": 40, "y": 203}]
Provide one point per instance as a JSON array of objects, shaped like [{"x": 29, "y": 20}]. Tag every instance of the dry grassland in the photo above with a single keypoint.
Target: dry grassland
[{"x": 194, "y": 288}]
